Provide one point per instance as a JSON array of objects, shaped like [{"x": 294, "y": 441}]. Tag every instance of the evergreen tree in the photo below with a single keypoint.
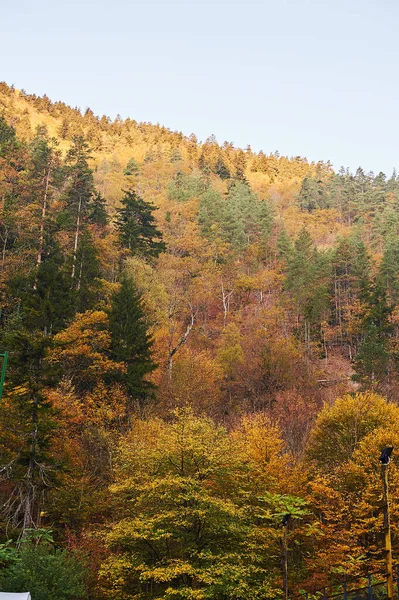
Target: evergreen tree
[
  {"x": 8, "y": 138},
  {"x": 389, "y": 269},
  {"x": 210, "y": 213},
  {"x": 132, "y": 168},
  {"x": 307, "y": 281},
  {"x": 312, "y": 194},
  {"x": 284, "y": 245},
  {"x": 136, "y": 224},
  {"x": 373, "y": 360},
  {"x": 88, "y": 274},
  {"x": 98, "y": 214},
  {"x": 27, "y": 428},
  {"x": 79, "y": 194},
  {"x": 48, "y": 301},
  {"x": 131, "y": 342},
  {"x": 221, "y": 169}
]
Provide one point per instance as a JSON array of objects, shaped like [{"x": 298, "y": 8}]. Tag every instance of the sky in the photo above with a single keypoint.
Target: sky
[{"x": 313, "y": 78}]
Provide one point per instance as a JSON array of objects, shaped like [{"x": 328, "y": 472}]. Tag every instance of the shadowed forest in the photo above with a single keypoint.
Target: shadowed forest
[{"x": 202, "y": 339}]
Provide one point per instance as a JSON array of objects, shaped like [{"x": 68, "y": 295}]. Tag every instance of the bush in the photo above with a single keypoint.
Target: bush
[{"x": 46, "y": 573}]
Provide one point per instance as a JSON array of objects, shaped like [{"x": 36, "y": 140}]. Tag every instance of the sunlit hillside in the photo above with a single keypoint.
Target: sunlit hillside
[{"x": 200, "y": 342}]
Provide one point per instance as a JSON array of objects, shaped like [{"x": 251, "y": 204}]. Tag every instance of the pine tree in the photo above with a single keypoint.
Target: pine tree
[
  {"x": 79, "y": 193},
  {"x": 27, "y": 427},
  {"x": 44, "y": 179},
  {"x": 284, "y": 245},
  {"x": 87, "y": 274},
  {"x": 389, "y": 268},
  {"x": 373, "y": 359},
  {"x": 98, "y": 214},
  {"x": 7, "y": 137},
  {"x": 136, "y": 224},
  {"x": 49, "y": 303},
  {"x": 312, "y": 194},
  {"x": 131, "y": 342},
  {"x": 221, "y": 169}
]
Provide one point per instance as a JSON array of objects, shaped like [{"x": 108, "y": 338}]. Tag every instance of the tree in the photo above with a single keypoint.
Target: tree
[
  {"x": 28, "y": 469},
  {"x": 8, "y": 138},
  {"x": 340, "y": 428},
  {"x": 45, "y": 159},
  {"x": 136, "y": 224},
  {"x": 131, "y": 342},
  {"x": 345, "y": 483},
  {"x": 98, "y": 214},
  {"x": 312, "y": 195},
  {"x": 180, "y": 530},
  {"x": 81, "y": 353},
  {"x": 79, "y": 193},
  {"x": 49, "y": 574},
  {"x": 48, "y": 300},
  {"x": 221, "y": 169},
  {"x": 373, "y": 362}
]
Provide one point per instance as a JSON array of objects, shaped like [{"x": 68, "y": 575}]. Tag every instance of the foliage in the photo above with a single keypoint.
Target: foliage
[
  {"x": 48, "y": 574},
  {"x": 252, "y": 287},
  {"x": 136, "y": 225},
  {"x": 180, "y": 533}
]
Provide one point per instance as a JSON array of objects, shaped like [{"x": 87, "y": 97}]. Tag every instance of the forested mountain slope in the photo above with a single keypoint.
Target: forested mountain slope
[{"x": 144, "y": 272}]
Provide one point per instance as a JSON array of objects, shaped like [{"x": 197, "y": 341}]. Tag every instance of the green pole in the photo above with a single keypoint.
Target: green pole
[{"x": 3, "y": 372}]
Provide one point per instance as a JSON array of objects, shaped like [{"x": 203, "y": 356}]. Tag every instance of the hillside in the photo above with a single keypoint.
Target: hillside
[{"x": 155, "y": 289}]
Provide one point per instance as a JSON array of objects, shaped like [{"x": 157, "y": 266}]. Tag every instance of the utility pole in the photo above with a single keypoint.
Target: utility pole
[{"x": 385, "y": 458}]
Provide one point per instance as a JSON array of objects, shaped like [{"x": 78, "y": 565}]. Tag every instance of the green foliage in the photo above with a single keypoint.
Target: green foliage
[
  {"x": 307, "y": 281},
  {"x": 373, "y": 358},
  {"x": 185, "y": 187},
  {"x": 241, "y": 219},
  {"x": 98, "y": 214},
  {"x": 313, "y": 195},
  {"x": 136, "y": 225},
  {"x": 132, "y": 168},
  {"x": 221, "y": 169},
  {"x": 46, "y": 296},
  {"x": 7, "y": 137},
  {"x": 131, "y": 342},
  {"x": 182, "y": 532},
  {"x": 80, "y": 178},
  {"x": 48, "y": 574}
]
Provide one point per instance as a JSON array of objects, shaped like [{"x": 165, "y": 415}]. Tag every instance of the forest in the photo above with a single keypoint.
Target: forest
[{"x": 203, "y": 342}]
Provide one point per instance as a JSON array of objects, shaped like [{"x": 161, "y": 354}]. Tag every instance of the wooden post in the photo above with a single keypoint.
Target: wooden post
[{"x": 387, "y": 532}]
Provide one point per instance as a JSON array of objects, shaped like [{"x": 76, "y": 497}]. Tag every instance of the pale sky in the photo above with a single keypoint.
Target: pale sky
[{"x": 315, "y": 78}]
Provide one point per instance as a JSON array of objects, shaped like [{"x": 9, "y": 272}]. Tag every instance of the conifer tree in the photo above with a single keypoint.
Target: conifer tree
[
  {"x": 79, "y": 193},
  {"x": 27, "y": 428},
  {"x": 312, "y": 194},
  {"x": 136, "y": 224},
  {"x": 44, "y": 178},
  {"x": 49, "y": 303},
  {"x": 98, "y": 214},
  {"x": 221, "y": 169},
  {"x": 284, "y": 245},
  {"x": 7, "y": 137},
  {"x": 389, "y": 268},
  {"x": 131, "y": 342},
  {"x": 372, "y": 361}
]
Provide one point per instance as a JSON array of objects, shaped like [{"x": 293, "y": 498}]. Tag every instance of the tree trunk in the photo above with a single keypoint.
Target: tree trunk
[{"x": 77, "y": 233}]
